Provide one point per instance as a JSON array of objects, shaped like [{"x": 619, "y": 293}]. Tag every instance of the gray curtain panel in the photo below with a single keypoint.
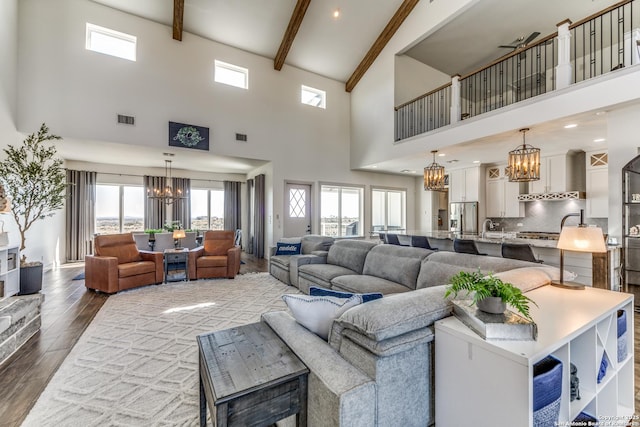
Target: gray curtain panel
[
  {"x": 232, "y": 205},
  {"x": 249, "y": 240},
  {"x": 155, "y": 211},
  {"x": 80, "y": 214},
  {"x": 258, "y": 217},
  {"x": 181, "y": 210}
]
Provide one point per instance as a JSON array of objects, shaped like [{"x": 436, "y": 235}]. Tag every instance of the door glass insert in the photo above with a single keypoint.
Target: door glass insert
[{"x": 297, "y": 203}]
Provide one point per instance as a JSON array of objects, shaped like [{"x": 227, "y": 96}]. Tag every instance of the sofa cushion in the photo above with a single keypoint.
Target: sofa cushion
[
  {"x": 322, "y": 292},
  {"x": 135, "y": 268},
  {"x": 366, "y": 284},
  {"x": 318, "y": 313},
  {"x": 440, "y": 266},
  {"x": 218, "y": 242},
  {"x": 281, "y": 260},
  {"x": 288, "y": 248},
  {"x": 395, "y": 263},
  {"x": 121, "y": 246},
  {"x": 395, "y": 315},
  {"x": 350, "y": 254},
  {"x": 212, "y": 261},
  {"x": 525, "y": 278},
  {"x": 324, "y": 272},
  {"x": 314, "y": 242}
]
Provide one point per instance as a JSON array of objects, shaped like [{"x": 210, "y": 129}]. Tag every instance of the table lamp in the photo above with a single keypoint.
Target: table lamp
[
  {"x": 580, "y": 238},
  {"x": 178, "y": 235}
]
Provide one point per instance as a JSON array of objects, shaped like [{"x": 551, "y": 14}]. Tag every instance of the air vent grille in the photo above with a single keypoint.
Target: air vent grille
[
  {"x": 241, "y": 137},
  {"x": 126, "y": 120}
]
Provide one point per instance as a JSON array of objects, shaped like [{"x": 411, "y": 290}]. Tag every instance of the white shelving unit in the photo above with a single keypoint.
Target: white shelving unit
[
  {"x": 493, "y": 380},
  {"x": 9, "y": 270}
]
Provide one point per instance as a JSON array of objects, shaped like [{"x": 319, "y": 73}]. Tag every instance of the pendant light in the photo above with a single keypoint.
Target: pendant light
[
  {"x": 434, "y": 175},
  {"x": 524, "y": 162},
  {"x": 167, "y": 194}
]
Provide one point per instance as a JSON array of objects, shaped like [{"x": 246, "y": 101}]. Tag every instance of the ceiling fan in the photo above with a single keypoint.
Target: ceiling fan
[{"x": 521, "y": 42}]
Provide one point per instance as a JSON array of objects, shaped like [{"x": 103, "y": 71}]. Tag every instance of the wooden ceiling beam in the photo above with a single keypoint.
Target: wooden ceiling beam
[
  {"x": 392, "y": 26},
  {"x": 290, "y": 34},
  {"x": 178, "y": 15}
]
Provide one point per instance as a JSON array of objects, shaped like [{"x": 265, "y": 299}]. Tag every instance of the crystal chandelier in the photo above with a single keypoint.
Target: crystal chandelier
[
  {"x": 167, "y": 194},
  {"x": 524, "y": 162},
  {"x": 434, "y": 175}
]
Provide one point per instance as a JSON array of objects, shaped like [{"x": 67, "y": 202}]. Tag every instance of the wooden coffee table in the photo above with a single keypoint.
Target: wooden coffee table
[{"x": 249, "y": 377}]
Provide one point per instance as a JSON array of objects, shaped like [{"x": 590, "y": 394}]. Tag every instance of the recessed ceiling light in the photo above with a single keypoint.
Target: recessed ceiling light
[
  {"x": 600, "y": 113},
  {"x": 374, "y": 166},
  {"x": 452, "y": 161},
  {"x": 571, "y": 126},
  {"x": 599, "y": 140},
  {"x": 441, "y": 155},
  {"x": 407, "y": 171},
  {"x": 336, "y": 13},
  {"x": 476, "y": 161}
]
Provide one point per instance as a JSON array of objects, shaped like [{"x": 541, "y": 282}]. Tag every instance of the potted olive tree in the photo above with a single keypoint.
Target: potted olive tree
[{"x": 35, "y": 182}]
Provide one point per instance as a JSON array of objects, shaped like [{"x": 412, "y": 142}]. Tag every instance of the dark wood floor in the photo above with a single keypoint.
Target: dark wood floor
[{"x": 67, "y": 310}]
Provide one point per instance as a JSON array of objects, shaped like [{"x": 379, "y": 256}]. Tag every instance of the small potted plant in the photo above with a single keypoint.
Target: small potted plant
[{"x": 490, "y": 294}]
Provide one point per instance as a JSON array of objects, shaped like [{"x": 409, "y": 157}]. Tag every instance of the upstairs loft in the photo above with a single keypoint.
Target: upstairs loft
[{"x": 578, "y": 55}]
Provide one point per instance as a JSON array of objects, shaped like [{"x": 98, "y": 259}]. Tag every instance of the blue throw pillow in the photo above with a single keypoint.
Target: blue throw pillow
[
  {"x": 288, "y": 248},
  {"x": 321, "y": 292}
]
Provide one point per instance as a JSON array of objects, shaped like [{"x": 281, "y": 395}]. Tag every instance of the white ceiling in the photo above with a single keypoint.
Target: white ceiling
[{"x": 334, "y": 47}]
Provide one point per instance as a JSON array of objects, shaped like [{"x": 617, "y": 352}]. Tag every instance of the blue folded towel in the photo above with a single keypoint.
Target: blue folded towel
[{"x": 603, "y": 368}]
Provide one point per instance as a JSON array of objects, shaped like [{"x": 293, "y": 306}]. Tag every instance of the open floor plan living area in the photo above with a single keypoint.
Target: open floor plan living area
[{"x": 319, "y": 212}]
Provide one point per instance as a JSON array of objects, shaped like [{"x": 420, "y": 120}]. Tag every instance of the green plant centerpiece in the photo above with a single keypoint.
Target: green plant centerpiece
[
  {"x": 35, "y": 182},
  {"x": 486, "y": 292}
]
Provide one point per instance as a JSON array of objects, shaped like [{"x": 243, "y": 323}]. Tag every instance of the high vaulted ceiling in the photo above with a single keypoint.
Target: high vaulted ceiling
[{"x": 335, "y": 47}]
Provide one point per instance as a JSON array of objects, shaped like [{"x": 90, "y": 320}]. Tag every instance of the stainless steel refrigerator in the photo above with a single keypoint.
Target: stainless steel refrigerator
[{"x": 463, "y": 218}]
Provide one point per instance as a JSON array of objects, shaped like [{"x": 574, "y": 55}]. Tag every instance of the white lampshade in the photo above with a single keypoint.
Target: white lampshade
[
  {"x": 582, "y": 239},
  {"x": 179, "y": 234}
]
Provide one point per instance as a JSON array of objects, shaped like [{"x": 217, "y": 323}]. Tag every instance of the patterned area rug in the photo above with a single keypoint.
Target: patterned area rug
[{"x": 137, "y": 362}]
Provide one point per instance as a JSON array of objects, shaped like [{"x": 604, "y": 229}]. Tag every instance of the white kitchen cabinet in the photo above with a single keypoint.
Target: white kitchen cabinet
[
  {"x": 502, "y": 195},
  {"x": 560, "y": 173},
  {"x": 579, "y": 328},
  {"x": 597, "y": 184},
  {"x": 464, "y": 185},
  {"x": 9, "y": 271}
]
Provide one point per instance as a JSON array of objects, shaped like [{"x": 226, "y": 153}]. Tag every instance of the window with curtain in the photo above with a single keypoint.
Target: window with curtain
[
  {"x": 388, "y": 209},
  {"x": 207, "y": 209},
  {"x": 341, "y": 210},
  {"x": 119, "y": 209}
]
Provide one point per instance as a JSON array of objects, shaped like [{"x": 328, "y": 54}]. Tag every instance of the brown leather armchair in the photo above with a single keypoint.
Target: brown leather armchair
[
  {"x": 218, "y": 257},
  {"x": 118, "y": 264}
]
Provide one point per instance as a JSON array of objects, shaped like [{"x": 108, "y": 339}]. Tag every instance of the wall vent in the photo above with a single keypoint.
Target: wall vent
[
  {"x": 126, "y": 120},
  {"x": 241, "y": 137}
]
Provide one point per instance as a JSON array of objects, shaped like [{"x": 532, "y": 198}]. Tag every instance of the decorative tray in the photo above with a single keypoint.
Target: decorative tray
[{"x": 508, "y": 326}]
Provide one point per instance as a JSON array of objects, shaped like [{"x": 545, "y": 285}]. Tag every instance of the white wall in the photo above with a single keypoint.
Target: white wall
[
  {"x": 413, "y": 78},
  {"x": 79, "y": 93}
]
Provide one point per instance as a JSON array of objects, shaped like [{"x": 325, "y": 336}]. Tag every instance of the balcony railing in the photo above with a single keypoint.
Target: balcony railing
[
  {"x": 520, "y": 75},
  {"x": 425, "y": 113},
  {"x": 596, "y": 45}
]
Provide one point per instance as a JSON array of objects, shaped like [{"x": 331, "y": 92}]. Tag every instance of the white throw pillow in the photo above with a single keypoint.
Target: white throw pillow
[{"x": 318, "y": 313}]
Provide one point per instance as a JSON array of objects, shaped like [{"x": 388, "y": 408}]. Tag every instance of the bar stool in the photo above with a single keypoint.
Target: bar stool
[
  {"x": 421, "y": 242},
  {"x": 466, "y": 246},
  {"x": 521, "y": 251}
]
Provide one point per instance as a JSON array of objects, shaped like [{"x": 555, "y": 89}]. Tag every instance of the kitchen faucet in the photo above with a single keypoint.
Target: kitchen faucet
[{"x": 485, "y": 223}]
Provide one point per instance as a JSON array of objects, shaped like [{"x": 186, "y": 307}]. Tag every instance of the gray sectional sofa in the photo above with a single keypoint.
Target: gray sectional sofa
[{"x": 377, "y": 367}]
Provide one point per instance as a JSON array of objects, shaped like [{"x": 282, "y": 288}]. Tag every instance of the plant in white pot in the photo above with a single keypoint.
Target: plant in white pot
[
  {"x": 35, "y": 182},
  {"x": 490, "y": 294}
]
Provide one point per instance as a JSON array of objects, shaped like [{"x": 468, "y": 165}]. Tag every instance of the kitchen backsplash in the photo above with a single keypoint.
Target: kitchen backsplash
[{"x": 545, "y": 216}]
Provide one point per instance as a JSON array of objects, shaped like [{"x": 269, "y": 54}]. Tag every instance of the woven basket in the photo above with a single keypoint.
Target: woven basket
[
  {"x": 585, "y": 419},
  {"x": 547, "y": 391}
]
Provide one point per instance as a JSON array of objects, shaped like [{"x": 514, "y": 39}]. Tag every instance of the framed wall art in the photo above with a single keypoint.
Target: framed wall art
[{"x": 188, "y": 136}]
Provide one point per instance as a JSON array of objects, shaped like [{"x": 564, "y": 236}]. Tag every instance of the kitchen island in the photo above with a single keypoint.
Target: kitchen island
[{"x": 598, "y": 270}]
